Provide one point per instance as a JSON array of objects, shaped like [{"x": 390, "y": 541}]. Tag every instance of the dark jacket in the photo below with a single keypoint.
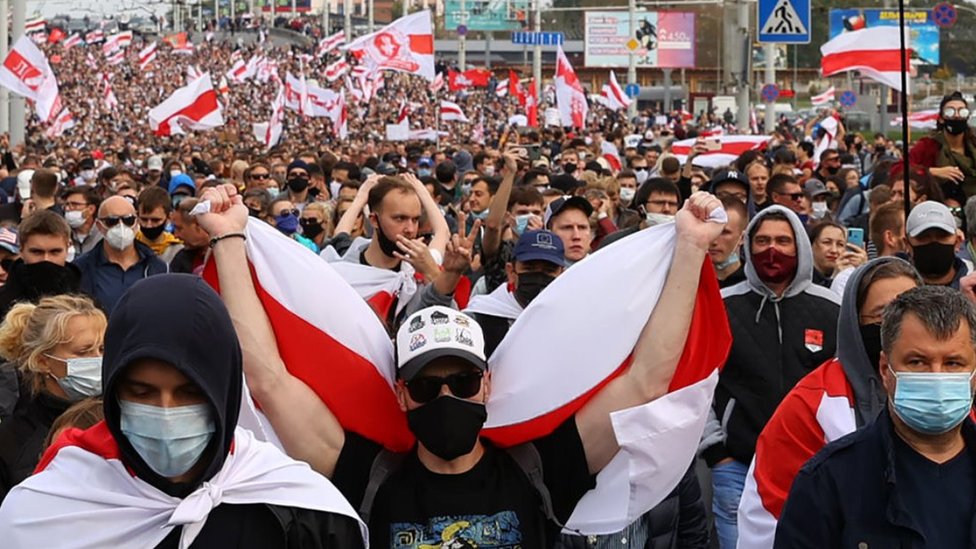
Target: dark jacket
[
  {"x": 848, "y": 495},
  {"x": 775, "y": 342},
  {"x": 186, "y": 260},
  {"x": 22, "y": 436},
  {"x": 678, "y": 522},
  {"x": 106, "y": 281},
  {"x": 32, "y": 282},
  {"x": 191, "y": 330}
]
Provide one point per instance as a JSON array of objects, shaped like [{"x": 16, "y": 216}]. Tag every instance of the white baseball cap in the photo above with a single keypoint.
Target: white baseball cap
[{"x": 437, "y": 332}]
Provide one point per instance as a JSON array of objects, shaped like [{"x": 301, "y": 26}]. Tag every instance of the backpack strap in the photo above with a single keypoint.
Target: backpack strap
[
  {"x": 530, "y": 462},
  {"x": 384, "y": 465}
]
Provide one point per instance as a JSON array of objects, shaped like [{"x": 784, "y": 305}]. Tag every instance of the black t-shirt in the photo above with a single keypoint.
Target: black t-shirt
[
  {"x": 938, "y": 497},
  {"x": 492, "y": 506}
]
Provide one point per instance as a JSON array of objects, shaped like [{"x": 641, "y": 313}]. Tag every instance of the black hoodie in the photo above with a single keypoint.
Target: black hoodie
[
  {"x": 30, "y": 282},
  {"x": 178, "y": 319}
]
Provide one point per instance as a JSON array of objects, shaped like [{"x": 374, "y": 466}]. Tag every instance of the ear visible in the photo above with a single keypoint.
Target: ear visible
[
  {"x": 487, "y": 384},
  {"x": 510, "y": 273},
  {"x": 401, "y": 394}
]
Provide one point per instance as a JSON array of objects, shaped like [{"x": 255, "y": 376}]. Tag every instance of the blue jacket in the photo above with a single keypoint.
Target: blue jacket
[
  {"x": 106, "y": 281},
  {"x": 847, "y": 495}
]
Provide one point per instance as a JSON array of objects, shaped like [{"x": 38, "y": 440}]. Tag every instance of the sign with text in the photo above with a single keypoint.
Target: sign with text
[
  {"x": 665, "y": 39},
  {"x": 486, "y": 15}
]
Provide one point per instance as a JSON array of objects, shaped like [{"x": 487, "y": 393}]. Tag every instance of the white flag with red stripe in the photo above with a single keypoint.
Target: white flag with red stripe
[
  {"x": 451, "y": 112},
  {"x": 116, "y": 58},
  {"x": 117, "y": 41},
  {"x": 335, "y": 71},
  {"x": 269, "y": 133},
  {"x": 437, "y": 84},
  {"x": 108, "y": 95},
  {"x": 340, "y": 124},
  {"x": 613, "y": 96},
  {"x": 147, "y": 55},
  {"x": 405, "y": 45},
  {"x": 94, "y": 37},
  {"x": 570, "y": 97},
  {"x": 329, "y": 43},
  {"x": 501, "y": 89},
  {"x": 875, "y": 52},
  {"x": 296, "y": 94},
  {"x": 62, "y": 122},
  {"x": 192, "y": 107},
  {"x": 35, "y": 25},
  {"x": 223, "y": 88},
  {"x": 731, "y": 147},
  {"x": 823, "y": 98},
  {"x": 26, "y": 71},
  {"x": 323, "y": 102},
  {"x": 923, "y": 120},
  {"x": 72, "y": 41}
]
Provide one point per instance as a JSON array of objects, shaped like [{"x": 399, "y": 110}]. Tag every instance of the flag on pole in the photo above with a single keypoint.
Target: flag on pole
[
  {"x": 335, "y": 71},
  {"x": 192, "y": 107},
  {"x": 72, "y": 41},
  {"x": 26, "y": 72},
  {"x": 116, "y": 58},
  {"x": 223, "y": 88},
  {"x": 55, "y": 36},
  {"x": 340, "y": 125},
  {"x": 570, "y": 97},
  {"x": 296, "y": 94},
  {"x": 532, "y": 105},
  {"x": 501, "y": 89},
  {"x": 613, "y": 96},
  {"x": 405, "y": 45},
  {"x": 37, "y": 24},
  {"x": 437, "y": 83},
  {"x": 116, "y": 41},
  {"x": 147, "y": 56},
  {"x": 323, "y": 102},
  {"x": 875, "y": 52},
  {"x": 515, "y": 88},
  {"x": 823, "y": 98},
  {"x": 269, "y": 133},
  {"x": 451, "y": 112},
  {"x": 329, "y": 43},
  {"x": 94, "y": 37},
  {"x": 62, "y": 122},
  {"x": 108, "y": 95}
]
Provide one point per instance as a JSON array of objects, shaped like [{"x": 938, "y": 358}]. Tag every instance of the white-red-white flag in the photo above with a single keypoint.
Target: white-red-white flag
[
  {"x": 405, "y": 45},
  {"x": 823, "y": 98},
  {"x": 237, "y": 72},
  {"x": 72, "y": 41},
  {"x": 35, "y": 25},
  {"x": 329, "y": 43},
  {"x": 116, "y": 58},
  {"x": 62, "y": 122},
  {"x": 731, "y": 146},
  {"x": 26, "y": 72},
  {"x": 223, "y": 88},
  {"x": 570, "y": 97},
  {"x": 437, "y": 84},
  {"x": 451, "y": 112},
  {"x": 269, "y": 133},
  {"x": 501, "y": 89},
  {"x": 108, "y": 94},
  {"x": 874, "y": 51},
  {"x": 117, "y": 41},
  {"x": 296, "y": 94},
  {"x": 192, "y": 107},
  {"x": 335, "y": 71},
  {"x": 147, "y": 55},
  {"x": 340, "y": 124},
  {"x": 323, "y": 101},
  {"x": 267, "y": 69},
  {"x": 94, "y": 37},
  {"x": 613, "y": 96}
]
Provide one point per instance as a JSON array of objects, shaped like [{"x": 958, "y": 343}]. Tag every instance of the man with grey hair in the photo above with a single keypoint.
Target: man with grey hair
[{"x": 909, "y": 479}]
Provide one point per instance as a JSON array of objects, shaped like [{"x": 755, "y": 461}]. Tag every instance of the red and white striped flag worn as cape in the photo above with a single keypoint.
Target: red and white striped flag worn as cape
[
  {"x": 570, "y": 97},
  {"x": 875, "y": 52},
  {"x": 192, "y": 107},
  {"x": 823, "y": 98},
  {"x": 82, "y": 475},
  {"x": 147, "y": 56},
  {"x": 353, "y": 368}
]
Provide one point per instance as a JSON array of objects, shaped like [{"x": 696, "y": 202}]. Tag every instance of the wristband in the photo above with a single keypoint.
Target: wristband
[{"x": 216, "y": 239}]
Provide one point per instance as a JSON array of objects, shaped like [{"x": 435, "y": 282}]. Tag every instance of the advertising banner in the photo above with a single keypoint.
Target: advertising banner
[
  {"x": 924, "y": 32},
  {"x": 664, "y": 39}
]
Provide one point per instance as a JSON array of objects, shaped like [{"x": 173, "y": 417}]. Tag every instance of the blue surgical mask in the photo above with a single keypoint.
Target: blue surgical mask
[
  {"x": 482, "y": 215},
  {"x": 169, "y": 440},
  {"x": 932, "y": 403},
  {"x": 731, "y": 260},
  {"x": 423, "y": 172},
  {"x": 83, "y": 378},
  {"x": 287, "y": 223},
  {"x": 521, "y": 222}
]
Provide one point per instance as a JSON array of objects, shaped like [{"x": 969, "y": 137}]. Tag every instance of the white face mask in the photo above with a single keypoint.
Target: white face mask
[
  {"x": 627, "y": 194},
  {"x": 75, "y": 218},
  {"x": 87, "y": 175},
  {"x": 174, "y": 173},
  {"x": 658, "y": 219},
  {"x": 83, "y": 378},
  {"x": 120, "y": 237},
  {"x": 641, "y": 174},
  {"x": 169, "y": 440},
  {"x": 489, "y": 170},
  {"x": 819, "y": 210}
]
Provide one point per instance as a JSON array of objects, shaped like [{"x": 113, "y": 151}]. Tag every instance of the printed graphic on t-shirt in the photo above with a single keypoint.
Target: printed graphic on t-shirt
[{"x": 498, "y": 531}]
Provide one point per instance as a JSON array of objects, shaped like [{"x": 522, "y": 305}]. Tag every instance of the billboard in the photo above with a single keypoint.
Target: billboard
[
  {"x": 280, "y": 5},
  {"x": 923, "y": 31},
  {"x": 486, "y": 15},
  {"x": 666, "y": 39}
]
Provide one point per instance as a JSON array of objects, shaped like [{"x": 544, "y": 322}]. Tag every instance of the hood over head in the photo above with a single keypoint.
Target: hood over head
[
  {"x": 804, "y": 256},
  {"x": 180, "y": 320},
  {"x": 869, "y": 395}
]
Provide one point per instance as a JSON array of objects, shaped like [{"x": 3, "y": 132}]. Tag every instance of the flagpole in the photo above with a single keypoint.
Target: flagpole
[
  {"x": 4, "y": 46},
  {"x": 18, "y": 112},
  {"x": 904, "y": 106}
]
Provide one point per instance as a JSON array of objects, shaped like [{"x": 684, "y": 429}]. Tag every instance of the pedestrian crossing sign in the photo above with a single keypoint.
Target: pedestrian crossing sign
[{"x": 784, "y": 21}]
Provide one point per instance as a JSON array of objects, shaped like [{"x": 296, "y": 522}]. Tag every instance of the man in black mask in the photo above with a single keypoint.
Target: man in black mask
[
  {"x": 169, "y": 467},
  {"x": 829, "y": 164},
  {"x": 933, "y": 242},
  {"x": 297, "y": 181},
  {"x": 537, "y": 261}
]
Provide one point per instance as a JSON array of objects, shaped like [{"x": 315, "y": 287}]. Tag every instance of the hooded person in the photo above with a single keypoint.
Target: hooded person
[
  {"x": 169, "y": 466},
  {"x": 841, "y": 395},
  {"x": 783, "y": 326}
]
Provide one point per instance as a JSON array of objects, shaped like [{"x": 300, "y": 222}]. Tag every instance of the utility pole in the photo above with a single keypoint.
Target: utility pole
[
  {"x": 743, "y": 49},
  {"x": 4, "y": 47},
  {"x": 632, "y": 56},
  {"x": 18, "y": 112},
  {"x": 372, "y": 20},
  {"x": 537, "y": 49},
  {"x": 326, "y": 8},
  {"x": 462, "y": 38},
  {"x": 347, "y": 13},
  {"x": 770, "y": 79}
]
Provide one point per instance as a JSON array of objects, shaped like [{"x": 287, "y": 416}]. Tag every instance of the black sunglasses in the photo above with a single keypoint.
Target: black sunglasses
[
  {"x": 294, "y": 212},
  {"x": 113, "y": 220},
  {"x": 260, "y": 175},
  {"x": 424, "y": 389},
  {"x": 793, "y": 196}
]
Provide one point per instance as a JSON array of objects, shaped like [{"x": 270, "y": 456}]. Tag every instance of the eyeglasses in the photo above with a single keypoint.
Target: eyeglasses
[
  {"x": 424, "y": 389},
  {"x": 294, "y": 212},
  {"x": 260, "y": 176},
  {"x": 663, "y": 203},
  {"x": 955, "y": 112},
  {"x": 113, "y": 220},
  {"x": 793, "y": 196}
]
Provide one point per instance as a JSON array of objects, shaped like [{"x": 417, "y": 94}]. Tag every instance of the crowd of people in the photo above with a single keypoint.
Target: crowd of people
[{"x": 140, "y": 334}]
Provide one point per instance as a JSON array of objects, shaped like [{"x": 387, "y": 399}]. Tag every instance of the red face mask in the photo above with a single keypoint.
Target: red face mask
[{"x": 774, "y": 266}]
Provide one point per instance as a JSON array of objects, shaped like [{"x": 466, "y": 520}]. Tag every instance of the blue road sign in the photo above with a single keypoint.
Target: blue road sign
[
  {"x": 529, "y": 38},
  {"x": 632, "y": 90},
  {"x": 784, "y": 21},
  {"x": 770, "y": 92},
  {"x": 848, "y": 99},
  {"x": 462, "y": 30},
  {"x": 944, "y": 15}
]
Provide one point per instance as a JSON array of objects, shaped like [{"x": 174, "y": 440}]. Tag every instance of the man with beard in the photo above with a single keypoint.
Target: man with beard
[
  {"x": 783, "y": 326},
  {"x": 297, "y": 180},
  {"x": 538, "y": 260},
  {"x": 933, "y": 242}
]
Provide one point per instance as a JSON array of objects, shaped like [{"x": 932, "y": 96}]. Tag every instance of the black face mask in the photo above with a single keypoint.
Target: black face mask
[
  {"x": 387, "y": 246},
  {"x": 448, "y": 426},
  {"x": 832, "y": 170},
  {"x": 152, "y": 233},
  {"x": 253, "y": 212},
  {"x": 569, "y": 167},
  {"x": 297, "y": 184},
  {"x": 933, "y": 259},
  {"x": 871, "y": 337},
  {"x": 530, "y": 285},
  {"x": 311, "y": 227},
  {"x": 955, "y": 126}
]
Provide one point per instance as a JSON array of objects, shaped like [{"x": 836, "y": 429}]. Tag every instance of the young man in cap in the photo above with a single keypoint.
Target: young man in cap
[
  {"x": 933, "y": 242},
  {"x": 454, "y": 488},
  {"x": 569, "y": 217},
  {"x": 730, "y": 182},
  {"x": 296, "y": 183},
  {"x": 538, "y": 259},
  {"x": 817, "y": 193}
]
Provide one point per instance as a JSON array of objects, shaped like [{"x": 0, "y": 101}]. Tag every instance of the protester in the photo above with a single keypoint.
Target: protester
[
  {"x": 949, "y": 153},
  {"x": 42, "y": 268},
  {"x": 934, "y": 241},
  {"x": 725, "y": 250},
  {"x": 196, "y": 241},
  {"x": 80, "y": 209},
  {"x": 919, "y": 447},
  {"x": 155, "y": 208},
  {"x": 828, "y": 241}
]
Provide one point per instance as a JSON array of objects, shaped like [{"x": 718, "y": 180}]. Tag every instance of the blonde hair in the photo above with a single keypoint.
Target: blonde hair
[
  {"x": 325, "y": 210},
  {"x": 31, "y": 330}
]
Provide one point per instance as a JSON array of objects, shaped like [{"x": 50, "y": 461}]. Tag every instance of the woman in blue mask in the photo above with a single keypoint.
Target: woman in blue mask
[
  {"x": 286, "y": 218},
  {"x": 56, "y": 348}
]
